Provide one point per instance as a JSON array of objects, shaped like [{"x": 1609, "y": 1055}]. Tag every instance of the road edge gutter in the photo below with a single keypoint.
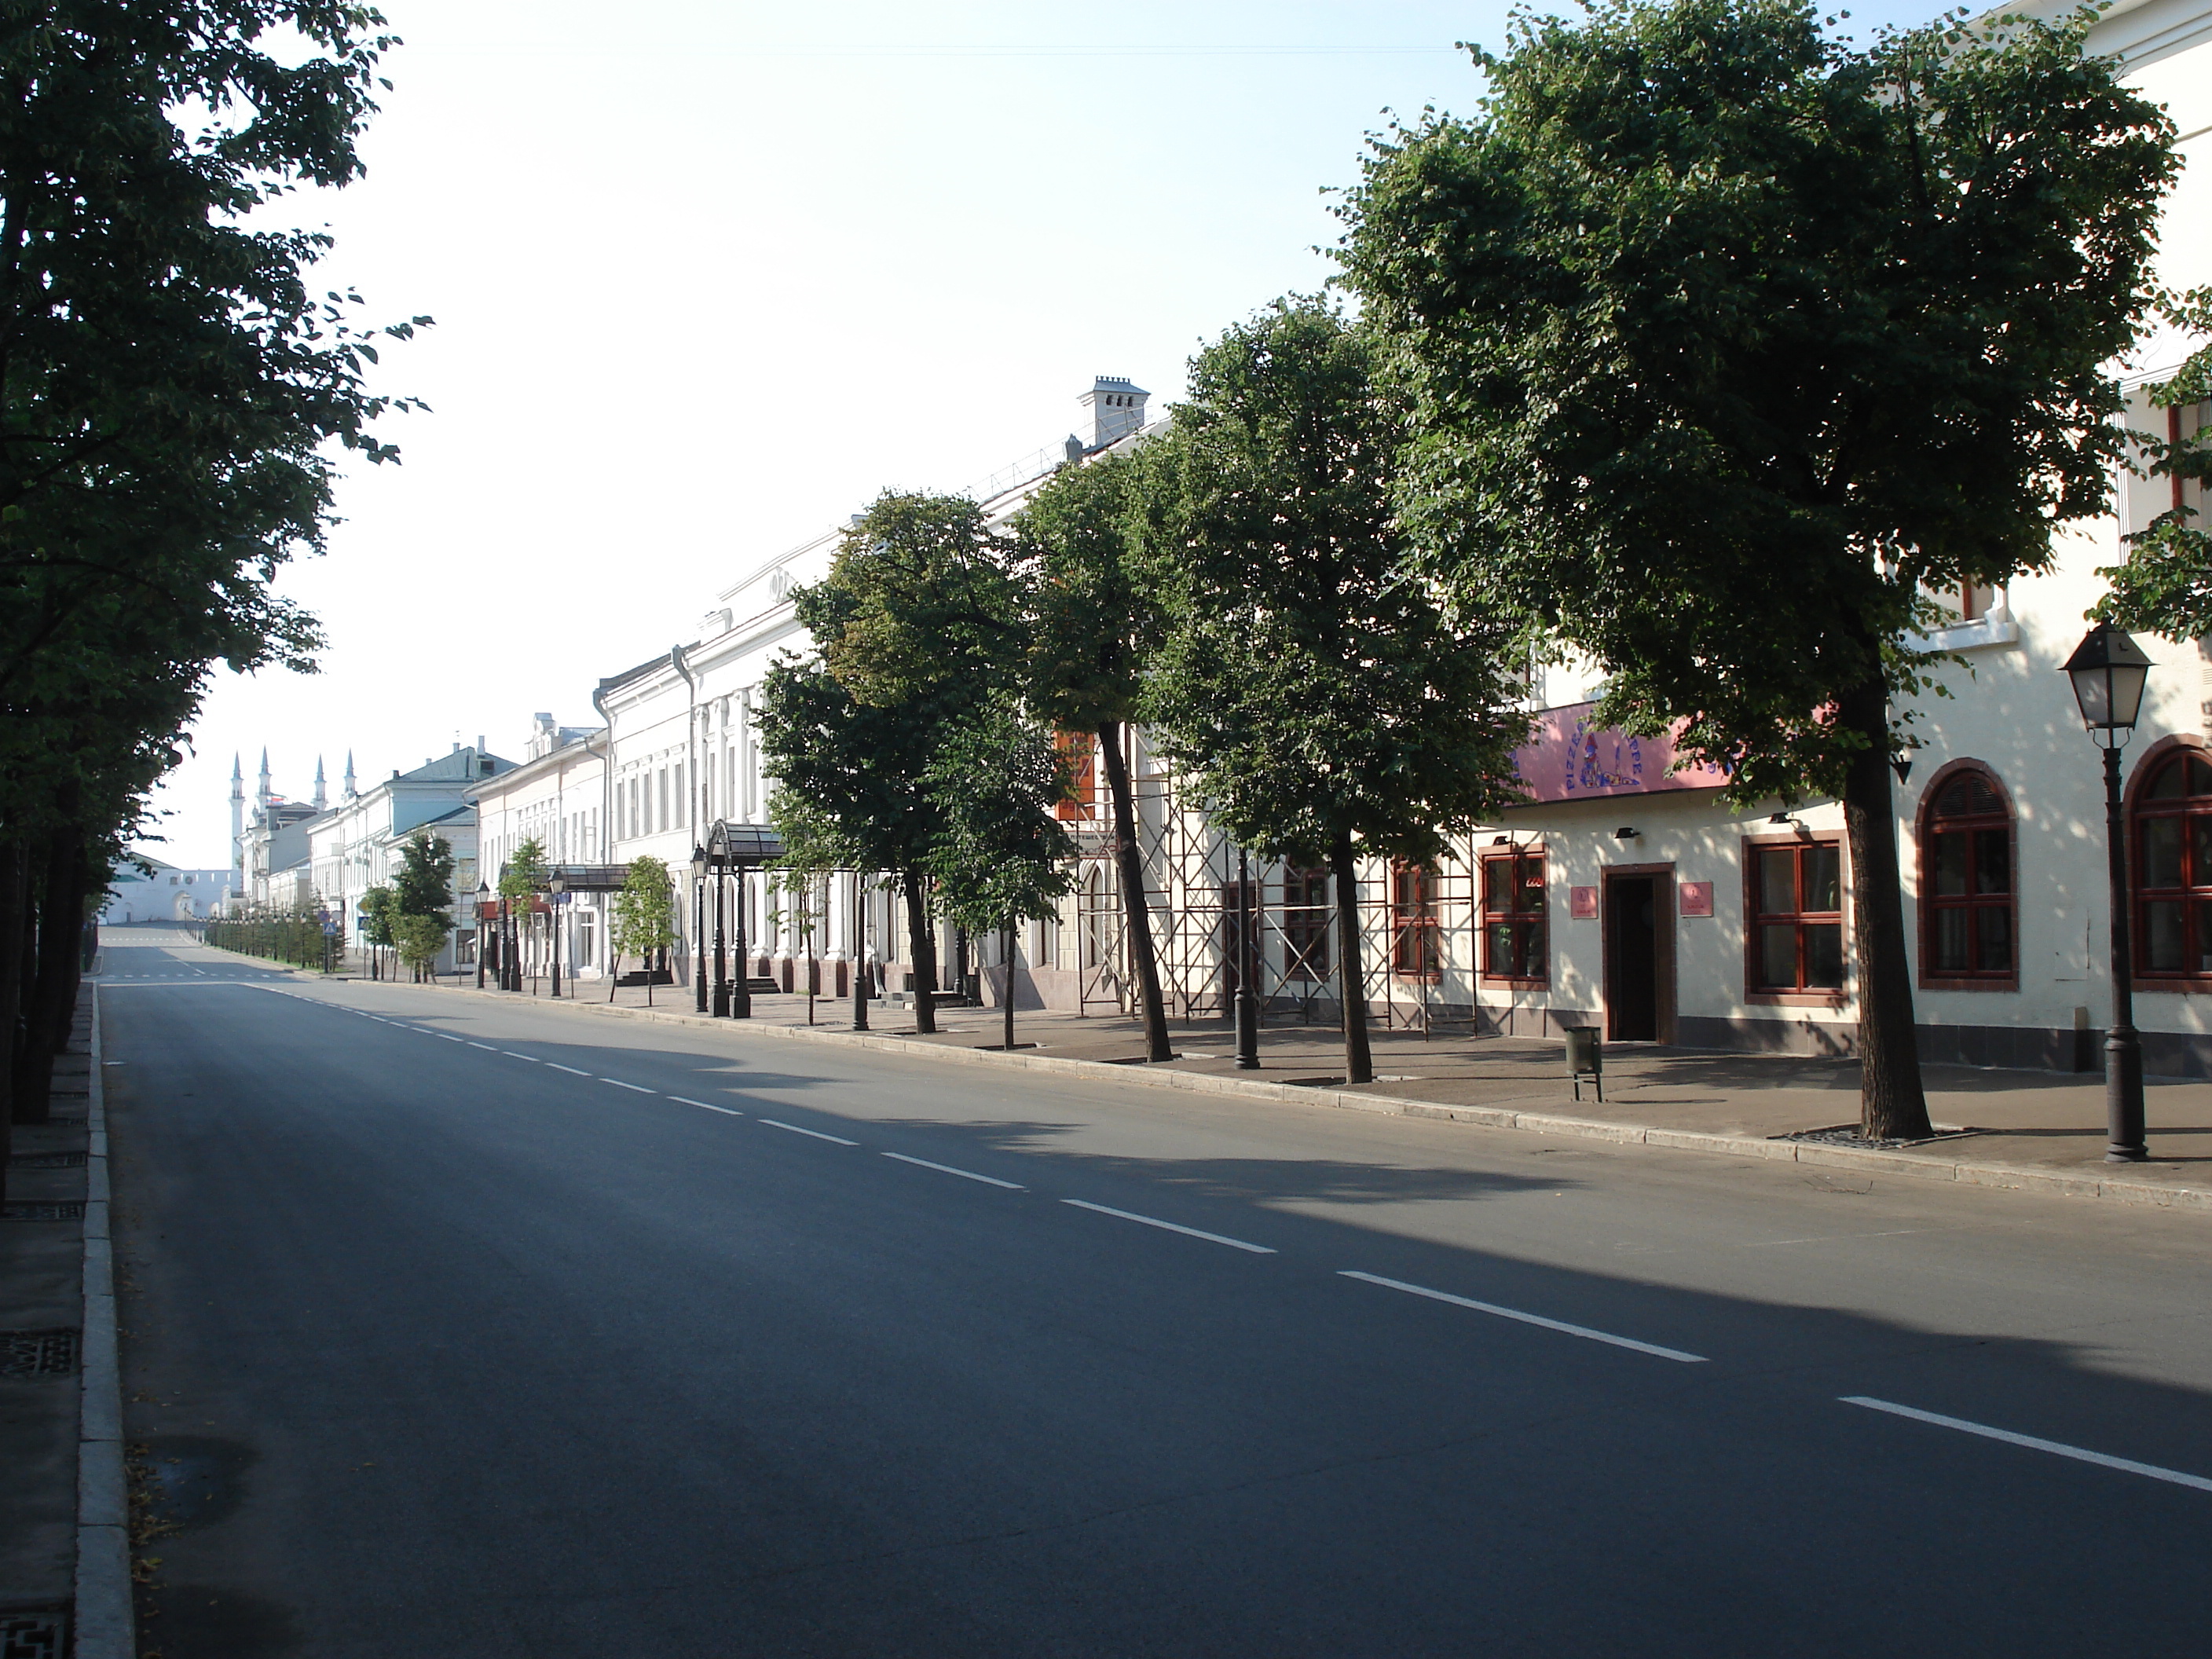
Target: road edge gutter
[
  {"x": 105, "y": 1620},
  {"x": 2006, "y": 1177}
]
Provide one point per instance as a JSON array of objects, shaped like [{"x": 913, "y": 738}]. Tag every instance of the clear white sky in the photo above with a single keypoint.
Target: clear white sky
[{"x": 708, "y": 276}]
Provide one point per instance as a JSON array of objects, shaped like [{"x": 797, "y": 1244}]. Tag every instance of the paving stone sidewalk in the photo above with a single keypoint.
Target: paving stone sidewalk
[
  {"x": 42, "y": 1318},
  {"x": 2038, "y": 1130}
]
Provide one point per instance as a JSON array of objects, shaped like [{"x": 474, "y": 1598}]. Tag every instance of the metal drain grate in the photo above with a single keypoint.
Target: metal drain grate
[
  {"x": 40, "y": 1632},
  {"x": 37, "y": 1353},
  {"x": 46, "y": 1161},
  {"x": 72, "y": 1211}
]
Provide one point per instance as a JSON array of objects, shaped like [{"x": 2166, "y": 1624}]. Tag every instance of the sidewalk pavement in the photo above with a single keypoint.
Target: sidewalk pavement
[
  {"x": 2039, "y": 1131},
  {"x": 63, "y": 1556}
]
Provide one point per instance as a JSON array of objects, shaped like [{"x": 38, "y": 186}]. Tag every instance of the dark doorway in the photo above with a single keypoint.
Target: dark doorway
[{"x": 1631, "y": 953}]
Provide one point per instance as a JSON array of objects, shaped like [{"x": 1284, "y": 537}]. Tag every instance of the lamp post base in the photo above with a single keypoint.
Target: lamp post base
[
  {"x": 1247, "y": 1031},
  {"x": 2124, "y": 1097},
  {"x": 722, "y": 1008}
]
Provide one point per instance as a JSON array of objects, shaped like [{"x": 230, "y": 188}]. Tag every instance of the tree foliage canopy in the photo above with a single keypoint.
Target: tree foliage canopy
[
  {"x": 2165, "y": 582},
  {"x": 643, "y": 919},
  {"x": 1001, "y": 857},
  {"x": 1313, "y": 689},
  {"x": 423, "y": 885},
  {"x": 1723, "y": 340},
  {"x": 1090, "y": 616}
]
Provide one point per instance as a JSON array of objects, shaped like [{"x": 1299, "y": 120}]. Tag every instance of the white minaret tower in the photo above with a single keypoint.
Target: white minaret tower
[
  {"x": 322, "y": 795},
  {"x": 350, "y": 792},
  {"x": 237, "y": 824},
  {"x": 261, "y": 797}
]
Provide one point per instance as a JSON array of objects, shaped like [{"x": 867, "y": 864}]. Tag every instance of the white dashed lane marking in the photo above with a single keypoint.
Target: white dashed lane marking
[
  {"x": 1172, "y": 1227},
  {"x": 1559, "y": 1325},
  {"x": 619, "y": 1084},
  {"x": 570, "y": 1070},
  {"x": 966, "y": 1174},
  {"x": 726, "y": 1110},
  {"x": 816, "y": 1133},
  {"x": 2056, "y": 1448}
]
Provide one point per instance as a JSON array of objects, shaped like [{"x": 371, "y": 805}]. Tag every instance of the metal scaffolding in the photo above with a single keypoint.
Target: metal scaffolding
[{"x": 1418, "y": 930}]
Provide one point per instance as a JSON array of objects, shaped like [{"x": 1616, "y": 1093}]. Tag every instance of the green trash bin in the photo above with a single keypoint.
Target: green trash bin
[{"x": 1585, "y": 1059}]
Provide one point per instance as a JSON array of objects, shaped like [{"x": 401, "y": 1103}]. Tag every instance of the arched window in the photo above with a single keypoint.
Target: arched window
[
  {"x": 2173, "y": 869},
  {"x": 1968, "y": 892}
]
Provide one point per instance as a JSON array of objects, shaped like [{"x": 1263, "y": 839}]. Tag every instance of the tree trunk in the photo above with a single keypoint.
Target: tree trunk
[
  {"x": 1135, "y": 907},
  {"x": 13, "y": 859},
  {"x": 1352, "y": 979},
  {"x": 1008, "y": 999},
  {"x": 46, "y": 1014},
  {"x": 1891, "y": 1102},
  {"x": 923, "y": 948}
]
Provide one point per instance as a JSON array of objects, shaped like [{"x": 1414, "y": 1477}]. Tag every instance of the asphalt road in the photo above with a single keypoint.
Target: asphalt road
[{"x": 466, "y": 1326}]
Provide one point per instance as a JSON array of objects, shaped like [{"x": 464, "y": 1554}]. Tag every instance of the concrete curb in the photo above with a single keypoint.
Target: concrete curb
[
  {"x": 105, "y": 1624},
  {"x": 1913, "y": 1165}
]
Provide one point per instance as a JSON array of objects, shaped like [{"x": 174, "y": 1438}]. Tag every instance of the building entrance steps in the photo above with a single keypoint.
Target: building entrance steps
[{"x": 2034, "y": 1130}]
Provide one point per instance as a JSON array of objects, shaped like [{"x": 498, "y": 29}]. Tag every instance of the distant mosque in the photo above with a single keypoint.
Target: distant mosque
[{"x": 272, "y": 813}]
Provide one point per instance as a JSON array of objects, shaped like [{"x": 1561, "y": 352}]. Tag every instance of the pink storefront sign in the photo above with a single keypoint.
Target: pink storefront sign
[
  {"x": 1571, "y": 759},
  {"x": 1697, "y": 898},
  {"x": 1581, "y": 903}
]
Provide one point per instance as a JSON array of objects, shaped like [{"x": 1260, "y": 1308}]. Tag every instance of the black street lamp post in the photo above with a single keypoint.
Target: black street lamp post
[
  {"x": 721, "y": 996},
  {"x": 484, "y": 898},
  {"x": 861, "y": 965},
  {"x": 741, "y": 988},
  {"x": 557, "y": 886},
  {"x": 2108, "y": 669},
  {"x": 1248, "y": 1003},
  {"x": 699, "y": 922}
]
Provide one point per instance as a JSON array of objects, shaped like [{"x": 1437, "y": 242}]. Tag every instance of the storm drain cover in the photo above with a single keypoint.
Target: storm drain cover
[
  {"x": 71, "y": 1210},
  {"x": 37, "y": 1353},
  {"x": 35, "y": 1632},
  {"x": 46, "y": 1161}
]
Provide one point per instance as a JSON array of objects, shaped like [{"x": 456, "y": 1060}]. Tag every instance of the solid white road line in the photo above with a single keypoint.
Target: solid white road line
[
  {"x": 1561, "y": 1326},
  {"x": 2056, "y": 1448},
  {"x": 703, "y": 1106},
  {"x": 619, "y": 1084},
  {"x": 968, "y": 1175},
  {"x": 570, "y": 1070},
  {"x": 532, "y": 1059},
  {"x": 816, "y": 1133},
  {"x": 1170, "y": 1226}
]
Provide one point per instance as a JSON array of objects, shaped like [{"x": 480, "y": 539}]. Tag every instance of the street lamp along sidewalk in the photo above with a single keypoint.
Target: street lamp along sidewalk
[
  {"x": 2109, "y": 669},
  {"x": 731, "y": 850}
]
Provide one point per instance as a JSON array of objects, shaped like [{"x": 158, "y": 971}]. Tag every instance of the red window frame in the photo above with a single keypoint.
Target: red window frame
[
  {"x": 1813, "y": 859},
  {"x": 1080, "y": 750},
  {"x": 1956, "y": 898},
  {"x": 2173, "y": 832},
  {"x": 1307, "y": 914},
  {"x": 1515, "y": 916},
  {"x": 1415, "y": 946}
]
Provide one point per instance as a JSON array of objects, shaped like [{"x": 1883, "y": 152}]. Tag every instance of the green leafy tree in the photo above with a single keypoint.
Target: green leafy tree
[
  {"x": 380, "y": 908},
  {"x": 421, "y": 890},
  {"x": 1092, "y": 619},
  {"x": 172, "y": 399},
  {"x": 424, "y": 883},
  {"x": 521, "y": 879},
  {"x": 1724, "y": 342},
  {"x": 916, "y": 623},
  {"x": 1001, "y": 858},
  {"x": 1328, "y": 708},
  {"x": 421, "y": 938},
  {"x": 2165, "y": 582},
  {"x": 643, "y": 922}
]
